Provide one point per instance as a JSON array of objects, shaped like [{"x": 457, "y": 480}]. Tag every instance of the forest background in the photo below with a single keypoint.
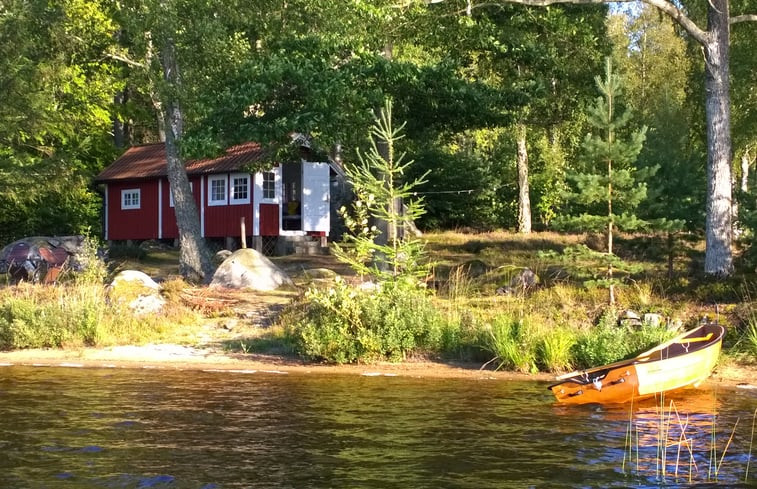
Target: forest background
[{"x": 495, "y": 99}]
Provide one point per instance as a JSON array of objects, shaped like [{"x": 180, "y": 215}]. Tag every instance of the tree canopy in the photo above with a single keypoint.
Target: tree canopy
[{"x": 478, "y": 84}]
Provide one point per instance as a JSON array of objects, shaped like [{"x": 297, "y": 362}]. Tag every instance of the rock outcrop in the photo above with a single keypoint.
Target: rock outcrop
[{"x": 247, "y": 268}]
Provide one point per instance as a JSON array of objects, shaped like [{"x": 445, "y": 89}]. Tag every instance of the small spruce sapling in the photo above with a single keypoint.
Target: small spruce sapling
[{"x": 378, "y": 183}]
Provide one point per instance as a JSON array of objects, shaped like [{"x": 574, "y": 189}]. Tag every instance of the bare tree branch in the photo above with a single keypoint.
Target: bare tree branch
[
  {"x": 125, "y": 60},
  {"x": 743, "y": 18},
  {"x": 664, "y": 5}
]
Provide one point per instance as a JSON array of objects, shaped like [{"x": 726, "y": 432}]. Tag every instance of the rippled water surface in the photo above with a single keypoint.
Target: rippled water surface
[{"x": 80, "y": 428}]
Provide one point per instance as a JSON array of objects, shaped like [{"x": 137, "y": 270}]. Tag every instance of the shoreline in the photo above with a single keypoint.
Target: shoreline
[{"x": 178, "y": 357}]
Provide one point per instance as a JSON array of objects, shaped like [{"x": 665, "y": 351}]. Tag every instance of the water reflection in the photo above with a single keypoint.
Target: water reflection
[{"x": 135, "y": 428}]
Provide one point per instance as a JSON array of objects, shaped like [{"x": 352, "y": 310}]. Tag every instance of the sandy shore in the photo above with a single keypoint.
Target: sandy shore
[{"x": 178, "y": 357}]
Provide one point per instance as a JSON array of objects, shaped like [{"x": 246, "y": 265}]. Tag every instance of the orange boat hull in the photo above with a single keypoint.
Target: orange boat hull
[{"x": 683, "y": 362}]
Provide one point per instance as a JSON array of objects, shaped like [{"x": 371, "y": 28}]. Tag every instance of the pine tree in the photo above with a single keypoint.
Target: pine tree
[
  {"x": 379, "y": 181},
  {"x": 610, "y": 187}
]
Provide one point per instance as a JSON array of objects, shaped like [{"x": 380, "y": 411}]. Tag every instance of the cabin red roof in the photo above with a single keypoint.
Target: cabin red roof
[{"x": 149, "y": 161}]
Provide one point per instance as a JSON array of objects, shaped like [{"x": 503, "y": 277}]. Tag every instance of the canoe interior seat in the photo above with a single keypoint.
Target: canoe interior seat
[{"x": 697, "y": 339}]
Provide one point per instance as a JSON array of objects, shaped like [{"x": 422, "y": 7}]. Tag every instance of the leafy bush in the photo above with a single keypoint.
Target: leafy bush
[
  {"x": 343, "y": 324},
  {"x": 607, "y": 342},
  {"x": 88, "y": 265}
]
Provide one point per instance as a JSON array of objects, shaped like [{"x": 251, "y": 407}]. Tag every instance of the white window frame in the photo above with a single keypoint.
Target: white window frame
[
  {"x": 248, "y": 184},
  {"x": 129, "y": 194},
  {"x": 170, "y": 193},
  {"x": 273, "y": 183},
  {"x": 216, "y": 178}
]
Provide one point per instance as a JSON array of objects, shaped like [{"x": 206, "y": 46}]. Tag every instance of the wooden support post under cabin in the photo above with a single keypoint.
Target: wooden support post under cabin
[{"x": 243, "y": 232}]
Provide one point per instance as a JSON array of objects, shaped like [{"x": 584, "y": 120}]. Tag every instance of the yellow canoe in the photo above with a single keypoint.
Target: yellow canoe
[{"x": 684, "y": 361}]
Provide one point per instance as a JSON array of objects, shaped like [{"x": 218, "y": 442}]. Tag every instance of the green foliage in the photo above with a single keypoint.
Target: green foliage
[
  {"x": 28, "y": 320},
  {"x": 79, "y": 313},
  {"x": 605, "y": 343},
  {"x": 609, "y": 188},
  {"x": 608, "y": 342},
  {"x": 90, "y": 268},
  {"x": 513, "y": 343},
  {"x": 378, "y": 183},
  {"x": 345, "y": 325},
  {"x": 554, "y": 350},
  {"x": 57, "y": 87},
  {"x": 750, "y": 337},
  {"x": 518, "y": 344}
]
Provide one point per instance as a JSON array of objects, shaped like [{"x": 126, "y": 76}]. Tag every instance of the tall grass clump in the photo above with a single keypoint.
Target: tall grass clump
[
  {"x": 513, "y": 342},
  {"x": 79, "y": 311},
  {"x": 50, "y": 317},
  {"x": 750, "y": 337},
  {"x": 554, "y": 350}
]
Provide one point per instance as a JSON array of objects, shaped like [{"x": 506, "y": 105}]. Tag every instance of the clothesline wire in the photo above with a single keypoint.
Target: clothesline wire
[{"x": 462, "y": 191}]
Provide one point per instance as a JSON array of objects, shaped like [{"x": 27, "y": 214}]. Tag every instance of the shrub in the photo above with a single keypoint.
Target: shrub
[
  {"x": 344, "y": 325},
  {"x": 607, "y": 342}
]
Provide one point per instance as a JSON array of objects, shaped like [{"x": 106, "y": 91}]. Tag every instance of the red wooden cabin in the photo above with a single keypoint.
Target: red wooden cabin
[{"x": 289, "y": 200}]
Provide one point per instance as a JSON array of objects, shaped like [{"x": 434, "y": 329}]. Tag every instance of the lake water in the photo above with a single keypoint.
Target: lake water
[{"x": 114, "y": 428}]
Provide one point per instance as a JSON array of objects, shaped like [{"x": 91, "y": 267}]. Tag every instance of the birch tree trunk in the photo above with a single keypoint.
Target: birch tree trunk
[
  {"x": 524, "y": 200},
  {"x": 194, "y": 258},
  {"x": 718, "y": 226},
  {"x": 745, "y": 172}
]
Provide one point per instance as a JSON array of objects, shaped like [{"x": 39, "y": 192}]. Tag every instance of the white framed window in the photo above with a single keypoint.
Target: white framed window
[
  {"x": 217, "y": 194},
  {"x": 130, "y": 198},
  {"x": 170, "y": 193},
  {"x": 240, "y": 189},
  {"x": 269, "y": 185}
]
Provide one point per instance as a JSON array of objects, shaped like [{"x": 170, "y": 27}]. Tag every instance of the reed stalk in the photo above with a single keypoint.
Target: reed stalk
[
  {"x": 629, "y": 440},
  {"x": 713, "y": 447},
  {"x": 725, "y": 450},
  {"x": 751, "y": 440}
]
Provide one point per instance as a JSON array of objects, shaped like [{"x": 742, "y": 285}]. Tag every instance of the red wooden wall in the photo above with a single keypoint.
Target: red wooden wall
[
  {"x": 269, "y": 219},
  {"x": 139, "y": 223},
  {"x": 170, "y": 229}
]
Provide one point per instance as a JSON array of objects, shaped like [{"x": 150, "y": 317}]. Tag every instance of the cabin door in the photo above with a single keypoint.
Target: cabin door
[
  {"x": 315, "y": 197},
  {"x": 266, "y": 202}
]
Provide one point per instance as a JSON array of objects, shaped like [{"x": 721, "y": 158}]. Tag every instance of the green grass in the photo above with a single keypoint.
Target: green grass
[{"x": 554, "y": 327}]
